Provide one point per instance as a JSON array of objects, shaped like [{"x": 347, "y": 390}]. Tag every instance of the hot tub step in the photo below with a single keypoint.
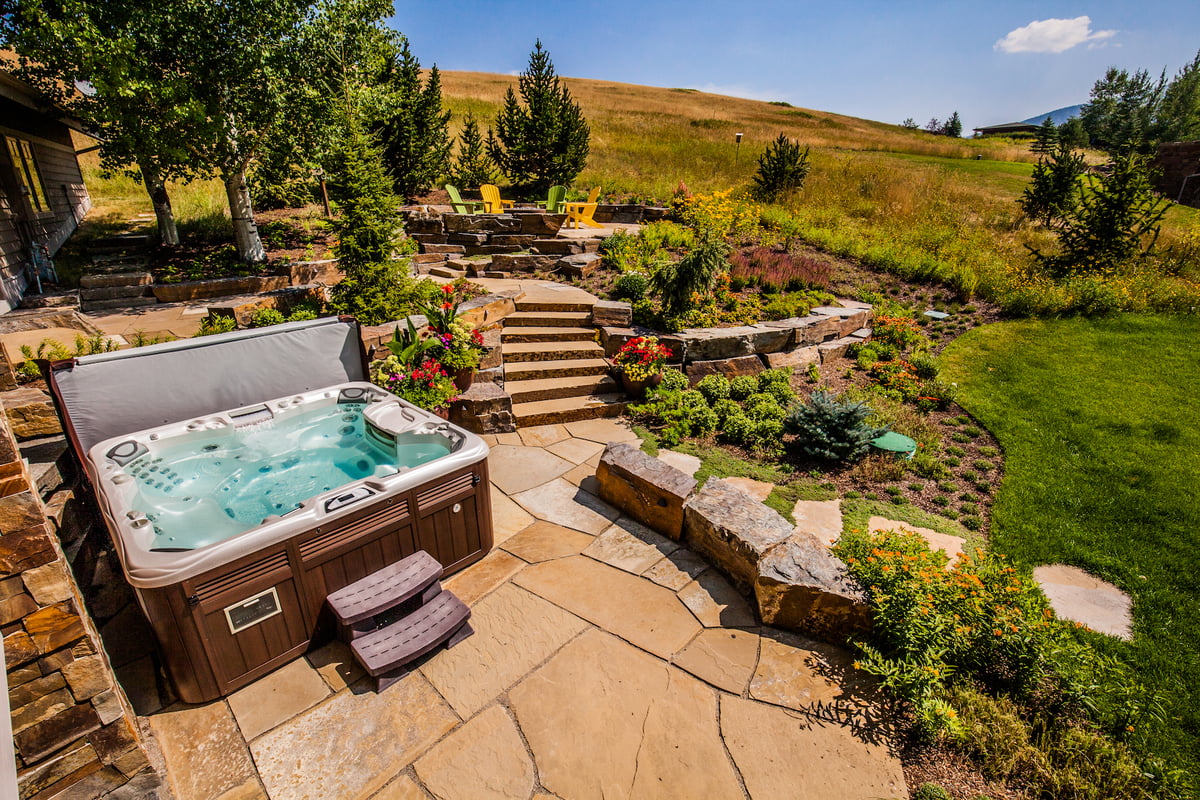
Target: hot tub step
[
  {"x": 384, "y": 653},
  {"x": 356, "y": 606}
]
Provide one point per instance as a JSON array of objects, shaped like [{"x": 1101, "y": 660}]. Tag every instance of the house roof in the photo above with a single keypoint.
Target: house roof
[
  {"x": 17, "y": 90},
  {"x": 1008, "y": 127}
]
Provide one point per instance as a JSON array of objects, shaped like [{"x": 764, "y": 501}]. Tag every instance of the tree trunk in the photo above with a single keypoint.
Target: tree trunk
[
  {"x": 168, "y": 234},
  {"x": 245, "y": 232}
]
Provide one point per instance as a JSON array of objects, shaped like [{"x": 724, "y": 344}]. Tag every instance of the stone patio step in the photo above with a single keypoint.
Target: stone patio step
[
  {"x": 548, "y": 319},
  {"x": 570, "y": 409},
  {"x": 447, "y": 272},
  {"x": 96, "y": 280},
  {"x": 519, "y": 352},
  {"x": 541, "y": 370},
  {"x": 552, "y": 305},
  {"x": 112, "y": 292},
  {"x": 557, "y": 388},
  {"x": 549, "y": 334},
  {"x": 119, "y": 302}
]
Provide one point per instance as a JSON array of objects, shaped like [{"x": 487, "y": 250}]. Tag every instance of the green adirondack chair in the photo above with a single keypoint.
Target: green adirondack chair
[
  {"x": 462, "y": 206},
  {"x": 554, "y": 200}
]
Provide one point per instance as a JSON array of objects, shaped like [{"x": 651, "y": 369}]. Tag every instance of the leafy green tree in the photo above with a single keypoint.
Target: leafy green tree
[
  {"x": 953, "y": 126},
  {"x": 1053, "y": 189},
  {"x": 1123, "y": 110},
  {"x": 412, "y": 128},
  {"x": 472, "y": 166},
  {"x": 366, "y": 227},
  {"x": 934, "y": 126},
  {"x": 782, "y": 168},
  {"x": 1116, "y": 220},
  {"x": 1046, "y": 139},
  {"x": 545, "y": 141}
]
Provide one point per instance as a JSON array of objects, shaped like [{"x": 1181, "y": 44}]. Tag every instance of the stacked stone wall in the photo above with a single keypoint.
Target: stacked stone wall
[
  {"x": 1175, "y": 161},
  {"x": 73, "y": 731}
]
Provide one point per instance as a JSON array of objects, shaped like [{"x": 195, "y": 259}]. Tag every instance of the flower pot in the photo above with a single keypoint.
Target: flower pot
[
  {"x": 464, "y": 378},
  {"x": 637, "y": 389},
  {"x": 443, "y": 412}
]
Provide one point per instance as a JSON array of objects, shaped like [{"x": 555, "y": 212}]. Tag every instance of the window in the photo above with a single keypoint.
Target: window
[{"x": 28, "y": 175}]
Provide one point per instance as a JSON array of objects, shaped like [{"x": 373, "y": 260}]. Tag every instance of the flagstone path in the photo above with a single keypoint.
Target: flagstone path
[{"x": 607, "y": 662}]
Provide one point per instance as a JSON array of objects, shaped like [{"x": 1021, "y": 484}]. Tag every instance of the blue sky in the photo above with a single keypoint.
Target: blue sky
[{"x": 992, "y": 62}]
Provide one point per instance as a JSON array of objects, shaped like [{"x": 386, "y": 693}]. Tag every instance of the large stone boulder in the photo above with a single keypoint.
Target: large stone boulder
[
  {"x": 803, "y": 587},
  {"x": 484, "y": 408},
  {"x": 31, "y": 413},
  {"x": 644, "y": 488},
  {"x": 710, "y": 344},
  {"x": 798, "y": 359},
  {"x": 578, "y": 266},
  {"x": 732, "y": 530},
  {"x": 729, "y": 367},
  {"x": 612, "y": 313}
]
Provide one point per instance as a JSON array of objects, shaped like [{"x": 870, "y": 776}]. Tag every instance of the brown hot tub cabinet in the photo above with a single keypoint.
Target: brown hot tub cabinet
[
  {"x": 227, "y": 609},
  {"x": 229, "y": 626}
]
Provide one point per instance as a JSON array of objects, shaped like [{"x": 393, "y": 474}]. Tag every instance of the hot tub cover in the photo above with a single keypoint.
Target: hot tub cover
[{"x": 112, "y": 394}]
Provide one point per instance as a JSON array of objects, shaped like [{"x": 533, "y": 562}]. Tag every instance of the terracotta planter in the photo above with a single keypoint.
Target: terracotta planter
[
  {"x": 464, "y": 378},
  {"x": 637, "y": 389}
]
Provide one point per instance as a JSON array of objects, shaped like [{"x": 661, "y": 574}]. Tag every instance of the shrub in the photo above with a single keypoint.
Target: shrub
[
  {"x": 631, "y": 286},
  {"x": 720, "y": 213},
  {"x": 726, "y": 409},
  {"x": 714, "y": 388},
  {"x": 782, "y": 393},
  {"x": 682, "y": 284},
  {"x": 899, "y": 330},
  {"x": 673, "y": 379},
  {"x": 214, "y": 324},
  {"x": 931, "y": 791},
  {"x": 767, "y": 434},
  {"x": 831, "y": 430},
  {"x": 782, "y": 168},
  {"x": 767, "y": 409},
  {"x": 924, "y": 365},
  {"x": 737, "y": 427},
  {"x": 742, "y": 387},
  {"x": 666, "y": 234},
  {"x": 793, "y": 304},
  {"x": 263, "y": 317}
]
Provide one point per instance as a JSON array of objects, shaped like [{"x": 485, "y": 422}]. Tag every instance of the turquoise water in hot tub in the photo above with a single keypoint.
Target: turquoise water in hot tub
[{"x": 200, "y": 490}]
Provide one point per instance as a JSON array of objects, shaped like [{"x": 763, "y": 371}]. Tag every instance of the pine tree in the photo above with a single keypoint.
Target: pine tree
[
  {"x": 953, "y": 126},
  {"x": 412, "y": 130},
  {"x": 1072, "y": 133},
  {"x": 366, "y": 229},
  {"x": 1116, "y": 220},
  {"x": 934, "y": 126},
  {"x": 1046, "y": 138},
  {"x": 910, "y": 123},
  {"x": 545, "y": 141},
  {"x": 782, "y": 168},
  {"x": 1053, "y": 189},
  {"x": 472, "y": 166}
]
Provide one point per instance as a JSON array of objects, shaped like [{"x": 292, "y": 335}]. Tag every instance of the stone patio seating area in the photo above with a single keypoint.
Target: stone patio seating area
[{"x": 608, "y": 661}]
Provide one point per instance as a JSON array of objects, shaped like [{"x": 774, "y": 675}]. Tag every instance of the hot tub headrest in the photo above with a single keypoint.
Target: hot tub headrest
[{"x": 112, "y": 394}]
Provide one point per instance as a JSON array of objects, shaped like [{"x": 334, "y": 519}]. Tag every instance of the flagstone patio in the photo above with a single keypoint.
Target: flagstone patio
[{"x": 607, "y": 662}]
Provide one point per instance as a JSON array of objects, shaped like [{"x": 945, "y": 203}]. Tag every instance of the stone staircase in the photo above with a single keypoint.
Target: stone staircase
[
  {"x": 118, "y": 276},
  {"x": 553, "y": 368}
]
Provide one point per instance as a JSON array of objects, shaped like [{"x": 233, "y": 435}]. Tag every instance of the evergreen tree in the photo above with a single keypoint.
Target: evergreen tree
[
  {"x": 366, "y": 229},
  {"x": 545, "y": 141},
  {"x": 1053, "y": 190},
  {"x": 910, "y": 124},
  {"x": 934, "y": 126},
  {"x": 1181, "y": 104},
  {"x": 1072, "y": 133},
  {"x": 1046, "y": 139},
  {"x": 1123, "y": 110},
  {"x": 953, "y": 126},
  {"x": 782, "y": 168},
  {"x": 472, "y": 166},
  {"x": 1116, "y": 220},
  {"x": 412, "y": 128}
]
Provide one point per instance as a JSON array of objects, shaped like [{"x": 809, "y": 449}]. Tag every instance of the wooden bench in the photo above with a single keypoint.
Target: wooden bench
[
  {"x": 356, "y": 606},
  {"x": 385, "y": 653}
]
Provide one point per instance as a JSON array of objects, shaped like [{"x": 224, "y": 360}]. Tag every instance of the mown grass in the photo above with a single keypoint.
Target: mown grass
[{"x": 1097, "y": 419}]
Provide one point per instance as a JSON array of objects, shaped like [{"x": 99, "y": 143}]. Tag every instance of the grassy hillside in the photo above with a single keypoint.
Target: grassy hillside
[{"x": 908, "y": 202}]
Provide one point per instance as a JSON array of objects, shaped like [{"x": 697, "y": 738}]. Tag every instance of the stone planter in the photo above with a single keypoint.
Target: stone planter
[{"x": 463, "y": 378}]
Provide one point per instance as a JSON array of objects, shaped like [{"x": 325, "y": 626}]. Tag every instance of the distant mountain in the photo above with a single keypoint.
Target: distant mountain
[{"x": 1059, "y": 115}]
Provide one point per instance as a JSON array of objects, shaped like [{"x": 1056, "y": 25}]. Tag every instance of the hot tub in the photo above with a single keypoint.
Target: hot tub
[{"x": 233, "y": 525}]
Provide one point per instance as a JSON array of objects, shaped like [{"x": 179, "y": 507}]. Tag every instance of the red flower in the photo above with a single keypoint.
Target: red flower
[
  {"x": 447, "y": 288},
  {"x": 446, "y": 306}
]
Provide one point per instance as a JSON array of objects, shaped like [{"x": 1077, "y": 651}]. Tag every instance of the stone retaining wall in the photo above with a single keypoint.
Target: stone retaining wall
[
  {"x": 73, "y": 730},
  {"x": 796, "y": 583},
  {"x": 1174, "y": 162},
  {"x": 300, "y": 273}
]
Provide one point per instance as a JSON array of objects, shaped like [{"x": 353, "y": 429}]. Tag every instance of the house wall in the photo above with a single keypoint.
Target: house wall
[
  {"x": 54, "y": 152},
  {"x": 1177, "y": 160}
]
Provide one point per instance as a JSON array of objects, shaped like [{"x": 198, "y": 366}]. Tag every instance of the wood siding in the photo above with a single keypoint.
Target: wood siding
[{"x": 54, "y": 153}]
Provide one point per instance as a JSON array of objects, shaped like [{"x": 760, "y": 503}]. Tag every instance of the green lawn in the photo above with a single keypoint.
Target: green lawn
[{"x": 1098, "y": 419}]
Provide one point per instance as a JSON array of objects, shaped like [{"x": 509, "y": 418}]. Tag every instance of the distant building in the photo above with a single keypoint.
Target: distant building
[
  {"x": 42, "y": 196},
  {"x": 1007, "y": 129}
]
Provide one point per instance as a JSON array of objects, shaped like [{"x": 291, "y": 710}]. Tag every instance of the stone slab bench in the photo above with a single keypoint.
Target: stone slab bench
[
  {"x": 356, "y": 606},
  {"x": 385, "y": 653}
]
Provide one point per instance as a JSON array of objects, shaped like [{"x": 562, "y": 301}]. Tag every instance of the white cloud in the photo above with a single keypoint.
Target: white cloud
[{"x": 1052, "y": 36}]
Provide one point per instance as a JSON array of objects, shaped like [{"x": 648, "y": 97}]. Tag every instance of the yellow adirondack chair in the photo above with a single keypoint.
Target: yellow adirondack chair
[
  {"x": 492, "y": 204},
  {"x": 581, "y": 213}
]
